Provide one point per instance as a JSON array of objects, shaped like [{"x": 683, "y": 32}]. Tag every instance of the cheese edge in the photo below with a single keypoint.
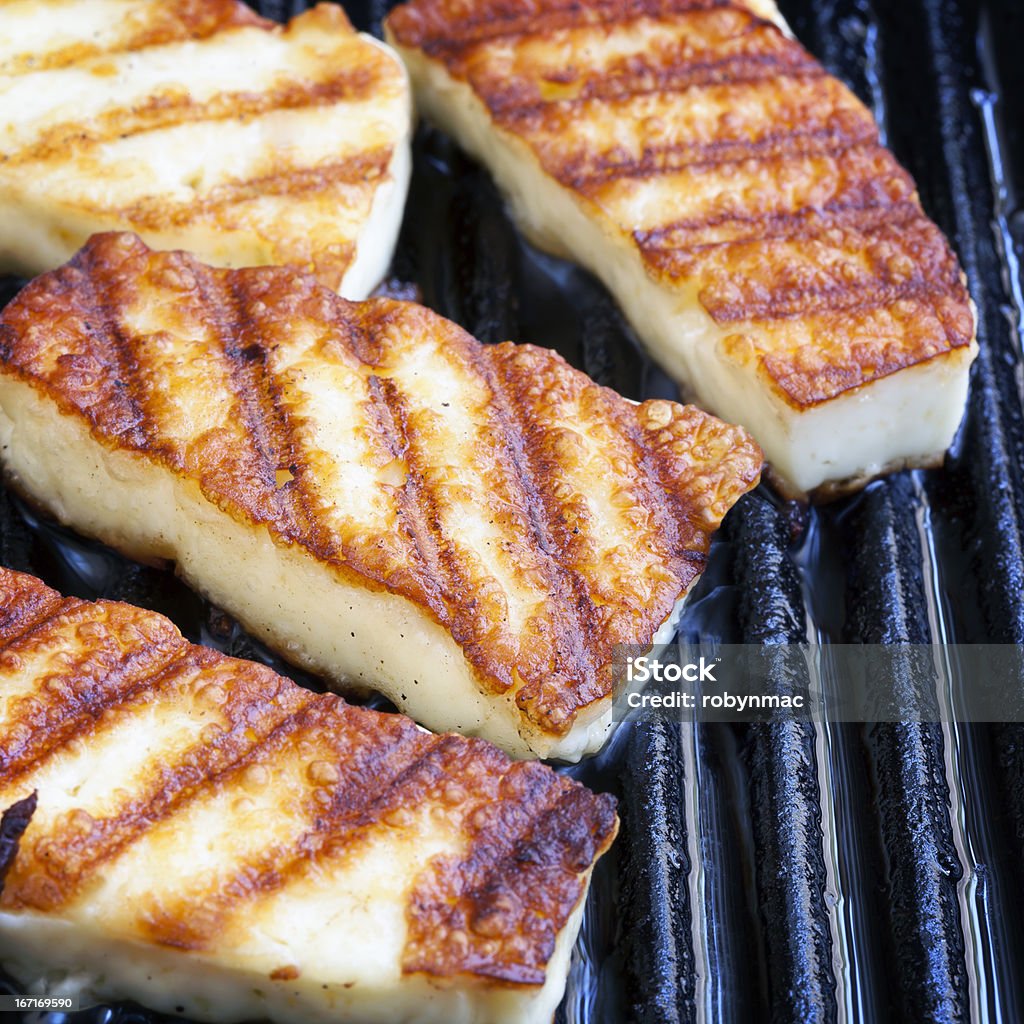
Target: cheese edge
[
  {"x": 53, "y": 956},
  {"x": 278, "y": 592}
]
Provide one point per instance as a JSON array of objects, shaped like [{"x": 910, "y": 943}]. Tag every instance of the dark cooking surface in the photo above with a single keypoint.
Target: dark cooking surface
[{"x": 782, "y": 872}]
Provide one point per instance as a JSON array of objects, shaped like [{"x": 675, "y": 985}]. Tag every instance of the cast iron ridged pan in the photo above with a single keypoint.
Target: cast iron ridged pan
[{"x": 778, "y": 872}]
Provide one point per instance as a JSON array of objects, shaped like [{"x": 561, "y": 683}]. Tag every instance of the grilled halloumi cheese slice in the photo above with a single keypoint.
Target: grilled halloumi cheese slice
[
  {"x": 735, "y": 199},
  {"x": 209, "y": 838},
  {"x": 201, "y": 126},
  {"x": 470, "y": 529}
]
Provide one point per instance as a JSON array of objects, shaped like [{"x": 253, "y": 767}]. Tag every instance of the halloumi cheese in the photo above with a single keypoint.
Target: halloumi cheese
[
  {"x": 201, "y": 126},
  {"x": 736, "y": 201},
  {"x": 207, "y": 837},
  {"x": 469, "y": 529}
]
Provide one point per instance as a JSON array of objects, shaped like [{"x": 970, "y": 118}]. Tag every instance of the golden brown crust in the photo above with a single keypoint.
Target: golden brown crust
[
  {"x": 283, "y": 205},
  {"x": 596, "y": 514},
  {"x": 82, "y": 673},
  {"x": 171, "y": 108},
  {"x": 759, "y": 180},
  {"x": 495, "y": 911},
  {"x": 24, "y": 601}
]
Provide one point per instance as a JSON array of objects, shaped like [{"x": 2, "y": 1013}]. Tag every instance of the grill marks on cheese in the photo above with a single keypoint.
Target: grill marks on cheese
[
  {"x": 253, "y": 792},
  {"x": 197, "y": 118},
  {"x": 110, "y": 28},
  {"x": 539, "y": 518},
  {"x": 735, "y": 164}
]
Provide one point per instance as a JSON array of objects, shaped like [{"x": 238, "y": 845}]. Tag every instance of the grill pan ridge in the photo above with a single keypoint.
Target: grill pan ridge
[{"x": 773, "y": 871}]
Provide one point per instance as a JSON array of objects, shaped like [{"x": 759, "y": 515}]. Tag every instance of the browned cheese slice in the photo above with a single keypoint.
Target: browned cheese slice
[
  {"x": 201, "y": 126},
  {"x": 207, "y": 837},
  {"x": 734, "y": 198},
  {"x": 470, "y": 529}
]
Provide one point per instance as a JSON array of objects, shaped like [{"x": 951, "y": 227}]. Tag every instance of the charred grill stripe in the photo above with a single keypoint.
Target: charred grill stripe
[
  {"x": 359, "y": 172},
  {"x": 58, "y": 713},
  {"x": 797, "y": 86},
  {"x": 446, "y": 571},
  {"x": 669, "y": 508},
  {"x": 449, "y": 40},
  {"x": 581, "y": 672},
  {"x": 417, "y": 503},
  {"x": 24, "y": 611},
  {"x": 384, "y": 404},
  {"x": 123, "y": 415},
  {"x": 864, "y": 173},
  {"x": 681, "y": 516},
  {"x": 667, "y": 158},
  {"x": 161, "y": 112},
  {"x": 471, "y": 914},
  {"x": 298, "y": 495},
  {"x": 274, "y": 421},
  {"x": 226, "y": 309},
  {"x": 799, "y": 301},
  {"x": 575, "y": 617},
  {"x": 354, "y": 169},
  {"x": 452, "y": 896},
  {"x": 50, "y": 734},
  {"x": 777, "y": 225},
  {"x": 666, "y": 82},
  {"x": 201, "y": 768},
  {"x": 382, "y": 776},
  {"x": 688, "y": 56},
  {"x": 886, "y": 263}
]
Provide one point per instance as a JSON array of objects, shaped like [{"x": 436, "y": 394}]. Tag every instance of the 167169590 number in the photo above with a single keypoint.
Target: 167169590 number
[{"x": 19, "y": 1002}]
